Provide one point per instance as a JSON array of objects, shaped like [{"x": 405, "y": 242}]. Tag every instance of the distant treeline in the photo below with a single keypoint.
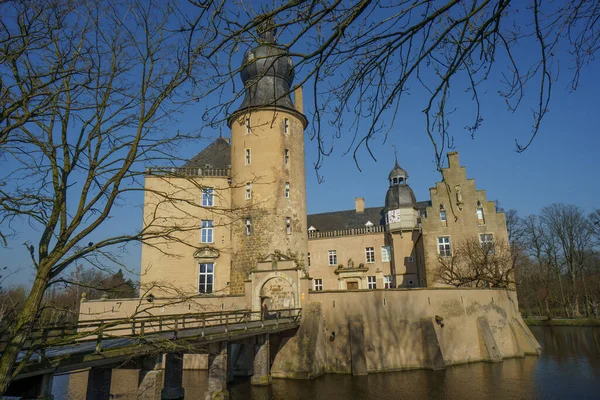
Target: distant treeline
[
  {"x": 62, "y": 299},
  {"x": 557, "y": 261}
]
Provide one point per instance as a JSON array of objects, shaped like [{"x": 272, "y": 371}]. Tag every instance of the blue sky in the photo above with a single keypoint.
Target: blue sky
[{"x": 560, "y": 166}]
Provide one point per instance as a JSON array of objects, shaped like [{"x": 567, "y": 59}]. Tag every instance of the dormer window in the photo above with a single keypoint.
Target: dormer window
[
  {"x": 312, "y": 229},
  {"x": 369, "y": 224}
]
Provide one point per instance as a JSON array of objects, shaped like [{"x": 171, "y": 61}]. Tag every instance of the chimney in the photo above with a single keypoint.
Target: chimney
[
  {"x": 359, "y": 203},
  {"x": 298, "y": 99}
]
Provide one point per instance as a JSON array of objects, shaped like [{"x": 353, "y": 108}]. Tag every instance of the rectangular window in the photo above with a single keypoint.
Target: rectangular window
[
  {"x": 308, "y": 258},
  {"x": 288, "y": 225},
  {"x": 248, "y": 226},
  {"x": 372, "y": 282},
  {"x": 286, "y": 156},
  {"x": 206, "y": 233},
  {"x": 248, "y": 157},
  {"x": 286, "y": 125},
  {"x": 332, "y": 257},
  {"x": 208, "y": 197},
  {"x": 444, "y": 248},
  {"x": 370, "y": 255},
  {"x": 480, "y": 216},
  {"x": 248, "y": 128},
  {"x": 443, "y": 215},
  {"x": 487, "y": 242},
  {"x": 287, "y": 190},
  {"x": 248, "y": 191},
  {"x": 206, "y": 275},
  {"x": 387, "y": 281},
  {"x": 386, "y": 253},
  {"x": 318, "y": 284}
]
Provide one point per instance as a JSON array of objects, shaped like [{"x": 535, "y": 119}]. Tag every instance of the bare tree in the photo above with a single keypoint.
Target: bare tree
[
  {"x": 364, "y": 59},
  {"x": 87, "y": 91},
  {"x": 476, "y": 264},
  {"x": 571, "y": 229}
]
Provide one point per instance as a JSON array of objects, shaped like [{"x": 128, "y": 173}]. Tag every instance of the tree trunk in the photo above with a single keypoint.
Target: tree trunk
[
  {"x": 19, "y": 333},
  {"x": 562, "y": 294}
]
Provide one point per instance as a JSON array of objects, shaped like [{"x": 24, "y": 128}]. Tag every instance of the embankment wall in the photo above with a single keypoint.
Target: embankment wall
[{"x": 402, "y": 329}]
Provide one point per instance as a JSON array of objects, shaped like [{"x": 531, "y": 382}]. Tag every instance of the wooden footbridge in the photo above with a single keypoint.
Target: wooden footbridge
[{"x": 104, "y": 344}]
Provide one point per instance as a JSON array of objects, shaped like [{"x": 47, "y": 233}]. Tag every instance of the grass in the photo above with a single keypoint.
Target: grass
[{"x": 562, "y": 322}]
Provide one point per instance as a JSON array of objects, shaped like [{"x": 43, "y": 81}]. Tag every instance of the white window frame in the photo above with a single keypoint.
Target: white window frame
[
  {"x": 208, "y": 197},
  {"x": 248, "y": 157},
  {"x": 332, "y": 257},
  {"x": 480, "y": 215},
  {"x": 386, "y": 253},
  {"x": 207, "y": 231},
  {"x": 370, "y": 255},
  {"x": 318, "y": 285},
  {"x": 387, "y": 281},
  {"x": 487, "y": 239},
  {"x": 248, "y": 191},
  {"x": 372, "y": 282},
  {"x": 288, "y": 225},
  {"x": 248, "y": 127},
  {"x": 443, "y": 216},
  {"x": 206, "y": 287},
  {"x": 287, "y": 190},
  {"x": 248, "y": 225},
  {"x": 444, "y": 245}
]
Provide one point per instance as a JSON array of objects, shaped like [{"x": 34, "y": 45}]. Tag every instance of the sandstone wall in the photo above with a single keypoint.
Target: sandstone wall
[{"x": 400, "y": 330}]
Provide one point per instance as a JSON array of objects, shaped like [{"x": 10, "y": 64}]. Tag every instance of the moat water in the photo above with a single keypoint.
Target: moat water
[{"x": 569, "y": 368}]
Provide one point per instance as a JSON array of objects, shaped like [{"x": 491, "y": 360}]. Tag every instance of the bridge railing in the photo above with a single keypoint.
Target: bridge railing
[{"x": 150, "y": 325}]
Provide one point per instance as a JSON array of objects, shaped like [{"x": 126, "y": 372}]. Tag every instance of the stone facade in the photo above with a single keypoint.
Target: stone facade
[
  {"x": 270, "y": 187},
  {"x": 468, "y": 214}
]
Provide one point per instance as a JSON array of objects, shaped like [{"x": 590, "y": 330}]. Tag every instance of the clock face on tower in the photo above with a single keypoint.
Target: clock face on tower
[{"x": 393, "y": 216}]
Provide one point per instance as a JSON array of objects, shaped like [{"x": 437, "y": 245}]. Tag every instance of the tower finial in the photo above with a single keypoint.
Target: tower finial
[
  {"x": 395, "y": 153},
  {"x": 267, "y": 30}
]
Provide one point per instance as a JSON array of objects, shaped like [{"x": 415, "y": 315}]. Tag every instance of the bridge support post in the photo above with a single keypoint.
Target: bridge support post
[
  {"x": 38, "y": 388},
  {"x": 150, "y": 381},
  {"x": 173, "y": 387},
  {"x": 217, "y": 372},
  {"x": 262, "y": 362},
  {"x": 98, "y": 385}
]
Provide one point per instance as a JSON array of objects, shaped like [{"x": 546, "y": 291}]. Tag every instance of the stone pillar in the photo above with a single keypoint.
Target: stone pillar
[
  {"x": 98, "y": 386},
  {"x": 150, "y": 381},
  {"x": 217, "y": 372},
  {"x": 173, "y": 387},
  {"x": 262, "y": 362},
  {"x": 233, "y": 354}
]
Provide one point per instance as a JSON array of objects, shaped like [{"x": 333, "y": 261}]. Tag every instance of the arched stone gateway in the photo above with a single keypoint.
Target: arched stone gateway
[
  {"x": 276, "y": 281},
  {"x": 277, "y": 293}
]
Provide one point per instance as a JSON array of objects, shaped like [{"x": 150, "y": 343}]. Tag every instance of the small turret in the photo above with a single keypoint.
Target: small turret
[{"x": 400, "y": 202}]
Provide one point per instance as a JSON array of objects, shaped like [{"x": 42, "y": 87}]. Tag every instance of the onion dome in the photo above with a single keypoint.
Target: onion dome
[{"x": 267, "y": 72}]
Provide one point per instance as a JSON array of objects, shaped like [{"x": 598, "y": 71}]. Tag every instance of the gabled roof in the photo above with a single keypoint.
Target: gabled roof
[
  {"x": 349, "y": 219},
  {"x": 216, "y": 155}
]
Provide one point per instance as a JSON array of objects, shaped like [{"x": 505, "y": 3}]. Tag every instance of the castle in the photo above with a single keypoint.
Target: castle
[
  {"x": 252, "y": 190},
  {"x": 232, "y": 233}
]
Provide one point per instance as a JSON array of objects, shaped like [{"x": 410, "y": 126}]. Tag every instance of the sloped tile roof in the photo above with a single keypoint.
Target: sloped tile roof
[
  {"x": 349, "y": 219},
  {"x": 216, "y": 155}
]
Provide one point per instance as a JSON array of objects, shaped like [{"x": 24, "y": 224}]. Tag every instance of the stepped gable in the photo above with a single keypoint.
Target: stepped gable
[{"x": 216, "y": 155}]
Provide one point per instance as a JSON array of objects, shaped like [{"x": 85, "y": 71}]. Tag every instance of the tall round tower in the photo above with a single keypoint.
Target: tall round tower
[{"x": 267, "y": 162}]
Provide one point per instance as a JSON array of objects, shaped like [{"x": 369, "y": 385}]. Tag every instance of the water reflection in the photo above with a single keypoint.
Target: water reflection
[{"x": 569, "y": 368}]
